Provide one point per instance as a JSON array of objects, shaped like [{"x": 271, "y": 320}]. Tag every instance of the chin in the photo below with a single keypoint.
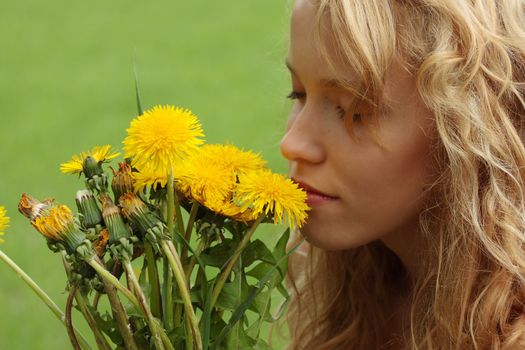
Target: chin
[{"x": 330, "y": 238}]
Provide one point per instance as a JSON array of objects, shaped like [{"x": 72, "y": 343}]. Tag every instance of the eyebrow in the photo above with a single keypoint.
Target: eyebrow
[{"x": 329, "y": 83}]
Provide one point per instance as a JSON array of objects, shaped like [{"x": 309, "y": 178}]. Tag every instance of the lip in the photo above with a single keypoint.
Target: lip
[{"x": 315, "y": 197}]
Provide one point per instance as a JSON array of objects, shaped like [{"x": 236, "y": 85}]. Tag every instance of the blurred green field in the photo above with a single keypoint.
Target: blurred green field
[{"x": 66, "y": 84}]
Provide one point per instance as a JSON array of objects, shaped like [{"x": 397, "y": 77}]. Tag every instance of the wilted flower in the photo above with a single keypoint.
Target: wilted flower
[
  {"x": 88, "y": 208},
  {"x": 4, "y": 222},
  {"x": 135, "y": 210},
  {"x": 162, "y": 136},
  {"x": 122, "y": 180},
  {"x": 53, "y": 221},
  {"x": 269, "y": 193},
  {"x": 85, "y": 160}
]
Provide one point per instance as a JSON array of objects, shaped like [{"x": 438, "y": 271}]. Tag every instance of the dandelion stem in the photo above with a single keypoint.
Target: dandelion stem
[
  {"x": 168, "y": 298},
  {"x": 155, "y": 330},
  {"x": 42, "y": 295},
  {"x": 105, "y": 275},
  {"x": 189, "y": 228},
  {"x": 178, "y": 271},
  {"x": 101, "y": 340},
  {"x": 69, "y": 321},
  {"x": 153, "y": 277},
  {"x": 119, "y": 313},
  {"x": 221, "y": 280},
  {"x": 81, "y": 299},
  {"x": 168, "y": 282},
  {"x": 203, "y": 243}
]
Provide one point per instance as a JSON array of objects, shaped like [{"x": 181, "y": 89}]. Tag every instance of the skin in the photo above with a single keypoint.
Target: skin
[{"x": 376, "y": 193}]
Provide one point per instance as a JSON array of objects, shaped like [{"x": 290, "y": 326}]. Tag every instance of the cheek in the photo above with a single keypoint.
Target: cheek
[{"x": 388, "y": 186}]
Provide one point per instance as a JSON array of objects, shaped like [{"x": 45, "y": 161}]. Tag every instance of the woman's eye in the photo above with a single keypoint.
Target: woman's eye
[{"x": 294, "y": 95}]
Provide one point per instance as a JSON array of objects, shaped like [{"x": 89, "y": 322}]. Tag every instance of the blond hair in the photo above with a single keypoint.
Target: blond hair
[{"x": 468, "y": 57}]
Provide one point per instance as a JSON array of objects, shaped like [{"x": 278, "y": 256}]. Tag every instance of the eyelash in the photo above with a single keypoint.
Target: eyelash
[{"x": 294, "y": 95}]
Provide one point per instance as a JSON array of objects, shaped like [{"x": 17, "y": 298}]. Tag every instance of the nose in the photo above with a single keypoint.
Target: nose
[{"x": 302, "y": 141}]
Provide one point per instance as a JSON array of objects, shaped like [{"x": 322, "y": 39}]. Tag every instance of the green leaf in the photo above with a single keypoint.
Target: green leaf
[
  {"x": 241, "y": 309},
  {"x": 137, "y": 93},
  {"x": 261, "y": 345},
  {"x": 219, "y": 254},
  {"x": 257, "y": 250}
]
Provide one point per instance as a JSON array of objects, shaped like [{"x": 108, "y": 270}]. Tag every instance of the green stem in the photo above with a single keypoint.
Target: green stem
[
  {"x": 203, "y": 243},
  {"x": 168, "y": 300},
  {"x": 189, "y": 228},
  {"x": 153, "y": 277},
  {"x": 119, "y": 313},
  {"x": 42, "y": 295},
  {"x": 69, "y": 321},
  {"x": 187, "y": 330},
  {"x": 178, "y": 271},
  {"x": 155, "y": 331},
  {"x": 221, "y": 280},
  {"x": 168, "y": 282},
  {"x": 101, "y": 340},
  {"x": 112, "y": 280}
]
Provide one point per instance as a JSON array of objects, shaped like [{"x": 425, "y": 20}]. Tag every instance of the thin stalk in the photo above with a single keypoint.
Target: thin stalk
[
  {"x": 178, "y": 271},
  {"x": 189, "y": 229},
  {"x": 102, "y": 343},
  {"x": 226, "y": 271},
  {"x": 155, "y": 331},
  {"x": 153, "y": 277},
  {"x": 168, "y": 282},
  {"x": 112, "y": 280},
  {"x": 42, "y": 296},
  {"x": 101, "y": 340},
  {"x": 203, "y": 243},
  {"x": 69, "y": 321},
  {"x": 187, "y": 330},
  {"x": 168, "y": 299},
  {"x": 96, "y": 299},
  {"x": 119, "y": 313}
]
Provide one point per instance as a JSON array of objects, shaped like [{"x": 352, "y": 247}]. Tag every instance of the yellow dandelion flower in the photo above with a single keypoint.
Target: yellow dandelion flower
[
  {"x": 203, "y": 181},
  {"x": 148, "y": 176},
  {"x": 227, "y": 208},
  {"x": 233, "y": 158},
  {"x": 161, "y": 136},
  {"x": 269, "y": 193},
  {"x": 4, "y": 222},
  {"x": 99, "y": 153}
]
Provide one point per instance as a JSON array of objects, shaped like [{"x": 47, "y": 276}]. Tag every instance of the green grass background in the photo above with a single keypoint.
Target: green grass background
[{"x": 66, "y": 84}]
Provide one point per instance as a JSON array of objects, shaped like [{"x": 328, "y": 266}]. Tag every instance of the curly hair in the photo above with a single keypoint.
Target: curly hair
[{"x": 468, "y": 58}]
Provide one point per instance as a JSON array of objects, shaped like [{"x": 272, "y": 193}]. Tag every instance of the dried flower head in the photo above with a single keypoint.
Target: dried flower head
[
  {"x": 54, "y": 221},
  {"x": 122, "y": 180}
]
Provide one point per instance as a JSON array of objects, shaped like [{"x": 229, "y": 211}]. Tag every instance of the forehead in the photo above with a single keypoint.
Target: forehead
[{"x": 306, "y": 57}]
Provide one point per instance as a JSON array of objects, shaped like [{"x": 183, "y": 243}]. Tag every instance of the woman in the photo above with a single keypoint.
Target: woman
[{"x": 406, "y": 132}]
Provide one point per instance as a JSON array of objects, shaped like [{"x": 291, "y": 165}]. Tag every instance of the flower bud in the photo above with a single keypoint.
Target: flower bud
[
  {"x": 115, "y": 224},
  {"x": 53, "y": 221},
  {"x": 91, "y": 167},
  {"x": 87, "y": 206},
  {"x": 122, "y": 181}
]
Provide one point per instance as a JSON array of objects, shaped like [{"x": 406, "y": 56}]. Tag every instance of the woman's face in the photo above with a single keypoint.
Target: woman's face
[{"x": 358, "y": 191}]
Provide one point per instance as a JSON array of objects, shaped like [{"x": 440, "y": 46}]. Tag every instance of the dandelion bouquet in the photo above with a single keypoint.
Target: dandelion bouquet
[{"x": 160, "y": 254}]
